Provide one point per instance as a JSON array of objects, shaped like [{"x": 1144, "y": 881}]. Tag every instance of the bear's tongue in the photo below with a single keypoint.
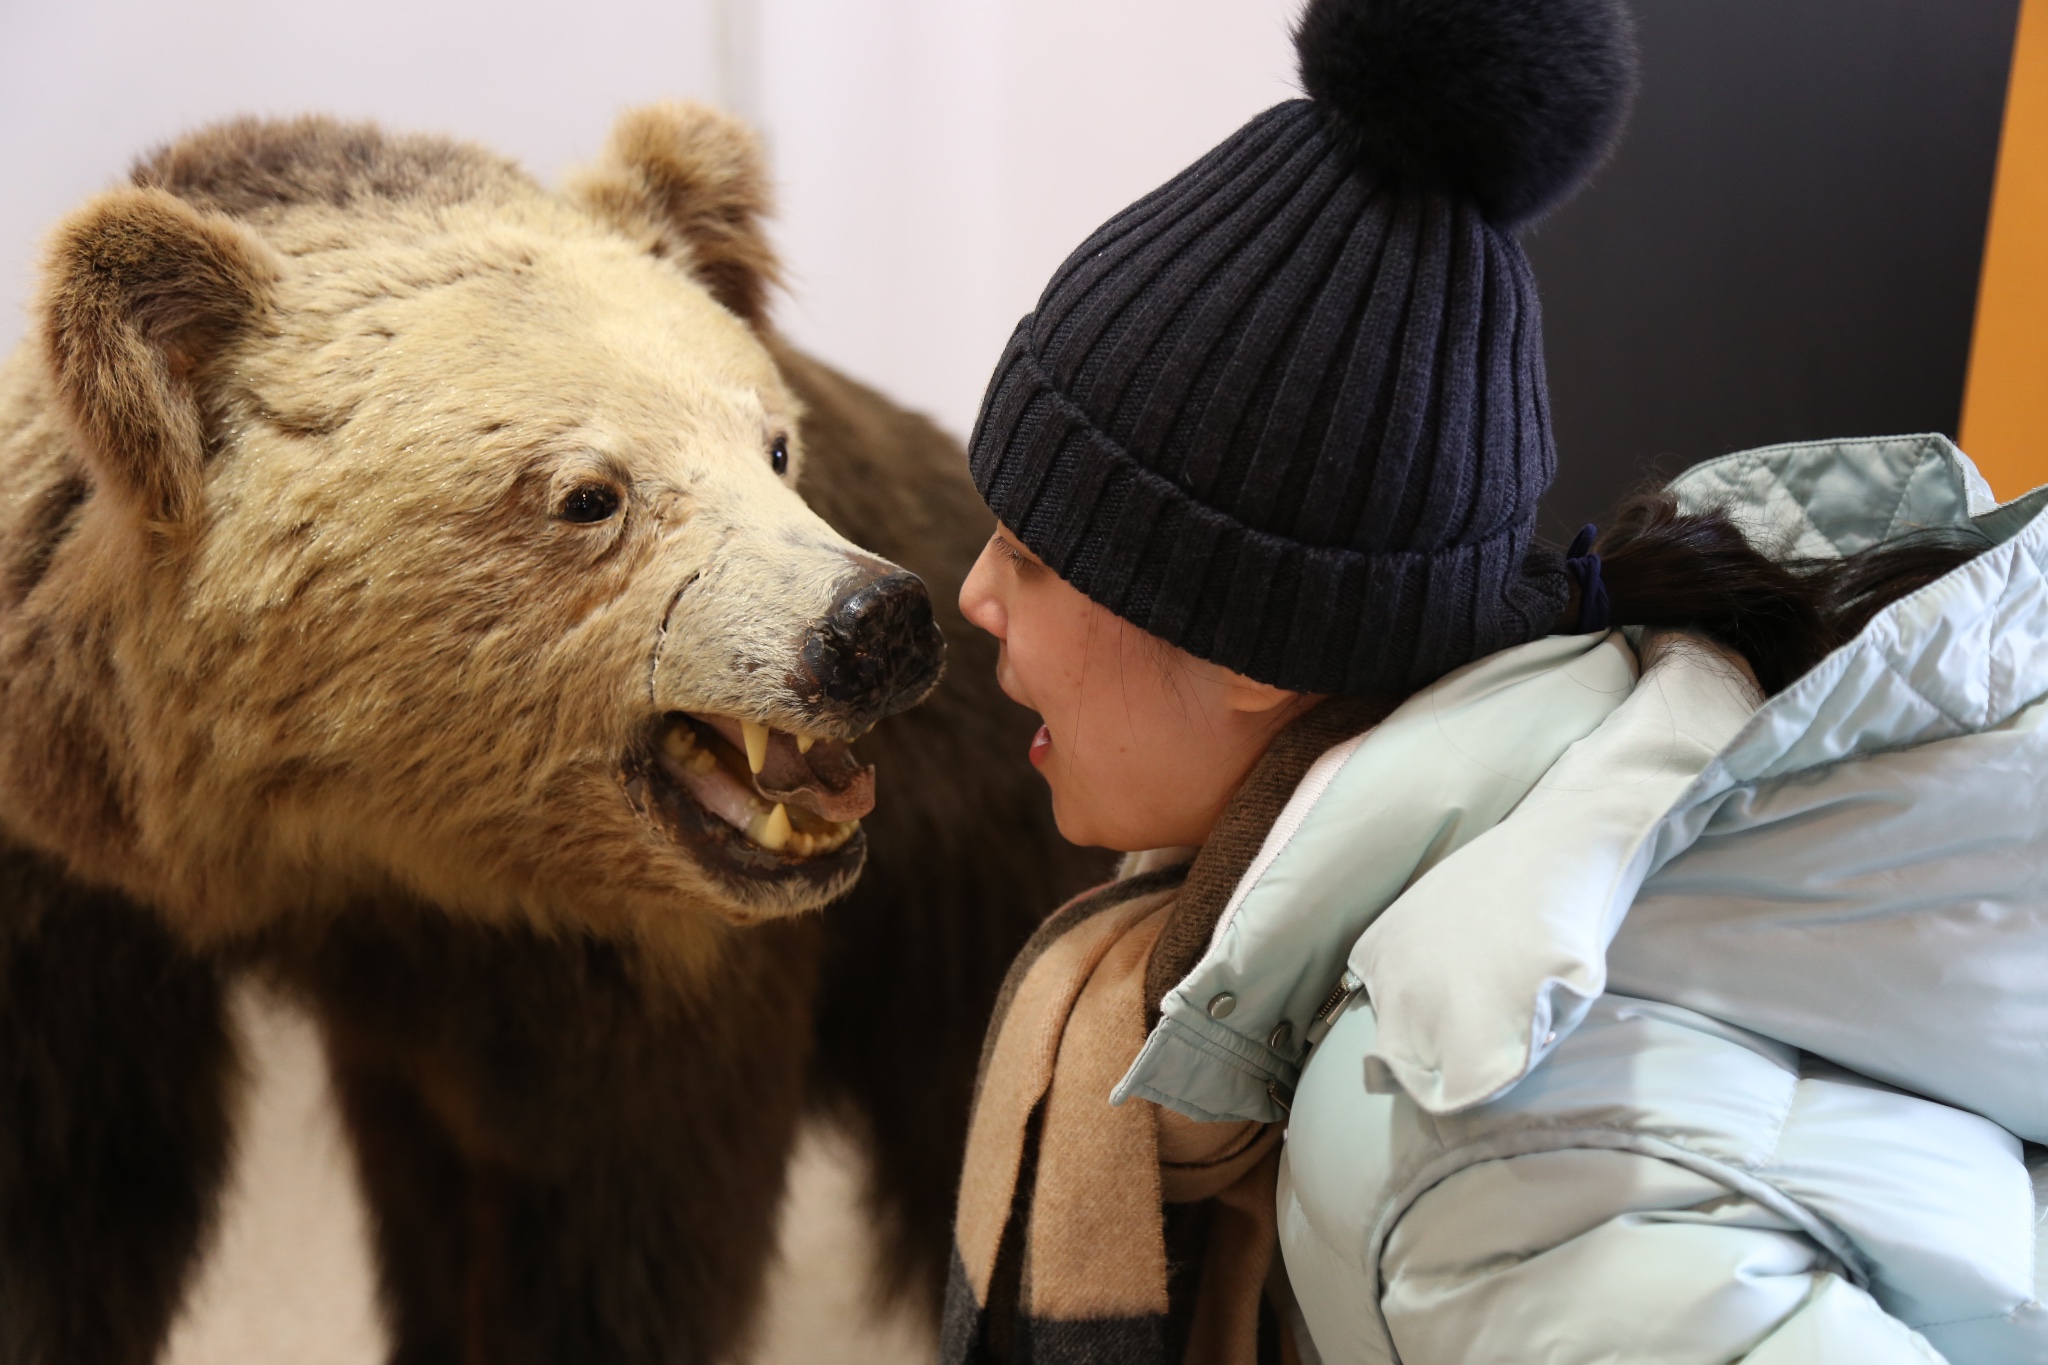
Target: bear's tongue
[{"x": 804, "y": 798}]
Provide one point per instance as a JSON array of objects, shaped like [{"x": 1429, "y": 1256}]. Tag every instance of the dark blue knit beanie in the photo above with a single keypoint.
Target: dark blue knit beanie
[{"x": 1287, "y": 411}]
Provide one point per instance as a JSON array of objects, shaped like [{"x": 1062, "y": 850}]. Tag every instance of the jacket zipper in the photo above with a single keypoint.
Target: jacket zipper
[{"x": 1347, "y": 986}]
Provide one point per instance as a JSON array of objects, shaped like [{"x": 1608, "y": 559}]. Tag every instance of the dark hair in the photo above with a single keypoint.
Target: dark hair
[{"x": 1696, "y": 571}]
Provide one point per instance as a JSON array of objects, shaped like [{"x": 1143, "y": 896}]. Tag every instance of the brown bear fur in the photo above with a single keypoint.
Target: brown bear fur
[
  {"x": 299, "y": 676},
  {"x": 116, "y": 1075}
]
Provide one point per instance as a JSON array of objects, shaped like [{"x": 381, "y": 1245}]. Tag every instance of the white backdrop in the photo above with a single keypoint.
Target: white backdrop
[{"x": 937, "y": 158}]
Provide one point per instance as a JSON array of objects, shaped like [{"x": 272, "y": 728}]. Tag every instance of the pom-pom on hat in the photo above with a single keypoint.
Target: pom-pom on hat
[
  {"x": 1287, "y": 411},
  {"x": 1509, "y": 106}
]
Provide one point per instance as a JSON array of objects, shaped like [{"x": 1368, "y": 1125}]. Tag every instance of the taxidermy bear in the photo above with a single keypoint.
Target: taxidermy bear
[{"x": 406, "y": 595}]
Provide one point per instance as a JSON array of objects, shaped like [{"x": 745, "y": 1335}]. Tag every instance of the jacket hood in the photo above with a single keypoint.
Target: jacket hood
[{"x": 1468, "y": 862}]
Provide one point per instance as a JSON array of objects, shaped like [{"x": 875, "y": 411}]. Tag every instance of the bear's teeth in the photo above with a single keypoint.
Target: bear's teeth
[
  {"x": 681, "y": 747},
  {"x": 771, "y": 831},
  {"x": 811, "y": 844},
  {"x": 766, "y": 826},
  {"x": 756, "y": 736}
]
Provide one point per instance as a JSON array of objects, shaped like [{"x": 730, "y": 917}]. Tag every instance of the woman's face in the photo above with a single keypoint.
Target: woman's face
[{"x": 1143, "y": 744}]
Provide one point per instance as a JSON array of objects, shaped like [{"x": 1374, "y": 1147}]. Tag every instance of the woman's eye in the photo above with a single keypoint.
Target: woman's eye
[
  {"x": 778, "y": 455},
  {"x": 590, "y": 502}
]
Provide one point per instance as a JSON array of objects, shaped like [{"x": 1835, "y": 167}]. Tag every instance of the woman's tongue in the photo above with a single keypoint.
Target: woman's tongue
[{"x": 1041, "y": 745}]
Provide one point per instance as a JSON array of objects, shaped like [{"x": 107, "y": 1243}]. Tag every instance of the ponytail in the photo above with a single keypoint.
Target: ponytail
[{"x": 1696, "y": 571}]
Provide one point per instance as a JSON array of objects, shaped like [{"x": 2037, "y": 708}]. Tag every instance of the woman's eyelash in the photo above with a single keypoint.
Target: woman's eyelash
[{"x": 1010, "y": 552}]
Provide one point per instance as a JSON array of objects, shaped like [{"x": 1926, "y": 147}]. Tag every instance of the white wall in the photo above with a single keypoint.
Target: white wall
[
  {"x": 937, "y": 158},
  {"x": 85, "y": 85}
]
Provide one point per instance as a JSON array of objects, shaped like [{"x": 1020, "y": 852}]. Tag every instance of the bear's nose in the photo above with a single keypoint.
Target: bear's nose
[{"x": 876, "y": 651}]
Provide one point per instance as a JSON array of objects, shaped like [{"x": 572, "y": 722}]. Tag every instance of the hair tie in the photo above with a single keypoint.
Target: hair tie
[{"x": 1584, "y": 566}]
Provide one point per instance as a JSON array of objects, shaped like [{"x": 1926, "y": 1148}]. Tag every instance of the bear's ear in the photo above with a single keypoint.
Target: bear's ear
[
  {"x": 691, "y": 182},
  {"x": 140, "y": 292}
]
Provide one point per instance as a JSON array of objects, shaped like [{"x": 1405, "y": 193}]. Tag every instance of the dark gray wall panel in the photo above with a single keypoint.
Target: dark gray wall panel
[{"x": 1786, "y": 246}]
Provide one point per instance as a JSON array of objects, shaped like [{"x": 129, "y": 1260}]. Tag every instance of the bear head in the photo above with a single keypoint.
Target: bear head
[{"x": 378, "y": 524}]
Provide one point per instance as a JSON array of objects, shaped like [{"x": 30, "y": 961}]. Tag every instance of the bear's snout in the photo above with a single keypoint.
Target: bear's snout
[{"x": 877, "y": 650}]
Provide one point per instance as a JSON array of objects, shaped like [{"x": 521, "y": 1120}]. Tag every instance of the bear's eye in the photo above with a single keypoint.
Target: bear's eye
[
  {"x": 778, "y": 455},
  {"x": 588, "y": 502}
]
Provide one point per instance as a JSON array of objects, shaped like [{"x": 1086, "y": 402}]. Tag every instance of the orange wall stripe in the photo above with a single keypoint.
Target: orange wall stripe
[{"x": 2005, "y": 402}]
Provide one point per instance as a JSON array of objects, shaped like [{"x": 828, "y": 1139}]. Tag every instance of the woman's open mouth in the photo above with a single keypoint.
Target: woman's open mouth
[{"x": 760, "y": 802}]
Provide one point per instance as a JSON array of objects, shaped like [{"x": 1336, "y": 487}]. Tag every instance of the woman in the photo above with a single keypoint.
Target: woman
[{"x": 1667, "y": 993}]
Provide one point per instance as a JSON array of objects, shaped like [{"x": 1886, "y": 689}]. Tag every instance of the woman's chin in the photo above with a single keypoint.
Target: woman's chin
[
  {"x": 1103, "y": 834},
  {"x": 1075, "y": 827},
  {"x": 1105, "y": 820}
]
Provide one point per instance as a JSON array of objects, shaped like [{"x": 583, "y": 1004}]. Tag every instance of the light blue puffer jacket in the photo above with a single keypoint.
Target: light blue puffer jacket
[{"x": 1667, "y": 1027}]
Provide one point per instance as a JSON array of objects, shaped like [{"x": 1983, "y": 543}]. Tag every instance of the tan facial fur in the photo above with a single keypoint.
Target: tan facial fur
[{"x": 291, "y": 614}]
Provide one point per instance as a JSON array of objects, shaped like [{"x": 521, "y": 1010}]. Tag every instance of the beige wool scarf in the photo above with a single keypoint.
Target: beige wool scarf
[{"x": 1122, "y": 1235}]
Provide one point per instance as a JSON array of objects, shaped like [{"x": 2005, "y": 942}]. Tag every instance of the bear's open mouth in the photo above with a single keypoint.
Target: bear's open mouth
[{"x": 761, "y": 802}]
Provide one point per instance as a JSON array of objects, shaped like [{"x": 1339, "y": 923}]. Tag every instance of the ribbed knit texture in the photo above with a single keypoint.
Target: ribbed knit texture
[{"x": 1288, "y": 419}]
